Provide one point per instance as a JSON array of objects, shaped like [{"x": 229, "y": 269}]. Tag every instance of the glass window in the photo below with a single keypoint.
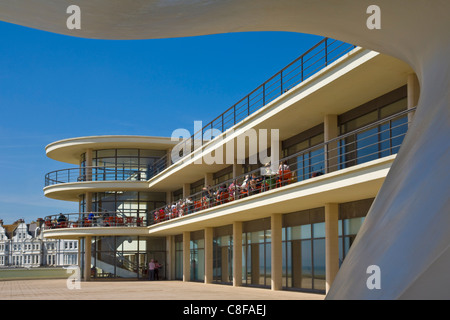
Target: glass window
[{"x": 375, "y": 142}]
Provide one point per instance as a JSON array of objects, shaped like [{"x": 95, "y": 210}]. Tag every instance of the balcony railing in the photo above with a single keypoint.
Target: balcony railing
[
  {"x": 318, "y": 57},
  {"x": 80, "y": 174},
  {"x": 374, "y": 141},
  {"x": 377, "y": 140},
  {"x": 95, "y": 219}
]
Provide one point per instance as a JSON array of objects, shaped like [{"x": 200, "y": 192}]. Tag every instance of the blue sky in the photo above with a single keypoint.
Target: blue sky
[{"x": 54, "y": 87}]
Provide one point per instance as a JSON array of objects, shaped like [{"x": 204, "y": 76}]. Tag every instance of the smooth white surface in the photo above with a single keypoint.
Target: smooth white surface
[{"x": 406, "y": 232}]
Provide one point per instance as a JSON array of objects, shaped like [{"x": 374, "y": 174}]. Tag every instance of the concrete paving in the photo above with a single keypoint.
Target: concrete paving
[{"x": 57, "y": 289}]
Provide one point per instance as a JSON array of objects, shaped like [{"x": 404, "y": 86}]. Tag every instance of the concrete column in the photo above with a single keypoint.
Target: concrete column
[
  {"x": 277, "y": 252},
  {"x": 79, "y": 254},
  {"x": 331, "y": 243},
  {"x": 169, "y": 157},
  {"x": 186, "y": 256},
  {"x": 413, "y": 93},
  {"x": 87, "y": 258},
  {"x": 88, "y": 201},
  {"x": 168, "y": 197},
  {"x": 209, "y": 255},
  {"x": 170, "y": 260},
  {"x": 237, "y": 170},
  {"x": 186, "y": 190},
  {"x": 330, "y": 131},
  {"x": 237, "y": 253},
  {"x": 208, "y": 179},
  {"x": 88, "y": 173}
]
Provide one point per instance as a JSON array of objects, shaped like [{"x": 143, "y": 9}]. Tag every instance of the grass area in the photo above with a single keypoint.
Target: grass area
[{"x": 34, "y": 273}]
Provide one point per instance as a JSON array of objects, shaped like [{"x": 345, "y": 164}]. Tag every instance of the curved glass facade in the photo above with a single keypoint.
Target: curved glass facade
[
  {"x": 127, "y": 204},
  {"x": 122, "y": 164}
]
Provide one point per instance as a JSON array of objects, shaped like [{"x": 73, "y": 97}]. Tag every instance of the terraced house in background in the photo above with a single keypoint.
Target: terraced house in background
[{"x": 341, "y": 113}]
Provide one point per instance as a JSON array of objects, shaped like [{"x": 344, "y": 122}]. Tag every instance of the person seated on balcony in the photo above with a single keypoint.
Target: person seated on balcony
[
  {"x": 245, "y": 186},
  {"x": 268, "y": 177},
  {"x": 233, "y": 190},
  {"x": 182, "y": 208},
  {"x": 91, "y": 218},
  {"x": 173, "y": 210},
  {"x": 48, "y": 223},
  {"x": 255, "y": 183},
  {"x": 284, "y": 174},
  {"x": 188, "y": 205},
  {"x": 206, "y": 197},
  {"x": 222, "y": 194},
  {"x": 105, "y": 218},
  {"x": 167, "y": 211},
  {"x": 62, "y": 221}
]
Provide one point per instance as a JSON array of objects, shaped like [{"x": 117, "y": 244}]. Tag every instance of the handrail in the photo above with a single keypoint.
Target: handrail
[
  {"x": 94, "y": 219},
  {"x": 97, "y": 173},
  {"x": 303, "y": 67}
]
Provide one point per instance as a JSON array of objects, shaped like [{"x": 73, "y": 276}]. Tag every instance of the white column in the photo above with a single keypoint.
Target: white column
[
  {"x": 186, "y": 256},
  {"x": 277, "y": 252},
  {"x": 87, "y": 258},
  {"x": 170, "y": 262},
  {"x": 209, "y": 255},
  {"x": 237, "y": 253},
  {"x": 186, "y": 190}
]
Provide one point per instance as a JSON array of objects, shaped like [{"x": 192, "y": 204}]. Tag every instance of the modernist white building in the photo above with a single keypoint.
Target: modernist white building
[
  {"x": 23, "y": 245},
  {"x": 336, "y": 118}
]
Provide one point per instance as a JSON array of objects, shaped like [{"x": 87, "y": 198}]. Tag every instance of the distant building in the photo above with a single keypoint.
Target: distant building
[{"x": 22, "y": 245}]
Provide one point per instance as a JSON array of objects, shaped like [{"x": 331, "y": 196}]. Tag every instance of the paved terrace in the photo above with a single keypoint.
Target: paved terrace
[{"x": 56, "y": 289}]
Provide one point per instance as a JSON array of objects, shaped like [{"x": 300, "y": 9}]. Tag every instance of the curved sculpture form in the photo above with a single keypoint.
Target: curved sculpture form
[{"x": 406, "y": 232}]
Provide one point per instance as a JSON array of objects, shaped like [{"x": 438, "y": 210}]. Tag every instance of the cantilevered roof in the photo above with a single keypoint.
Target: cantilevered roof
[{"x": 69, "y": 150}]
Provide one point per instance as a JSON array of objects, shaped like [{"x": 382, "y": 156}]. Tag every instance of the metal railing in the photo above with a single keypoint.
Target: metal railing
[
  {"x": 318, "y": 57},
  {"x": 98, "y": 173},
  {"x": 374, "y": 141},
  {"x": 95, "y": 219}
]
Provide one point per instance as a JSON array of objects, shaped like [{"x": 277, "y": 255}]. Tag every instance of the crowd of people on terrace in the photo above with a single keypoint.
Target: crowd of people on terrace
[
  {"x": 223, "y": 193},
  {"x": 209, "y": 197}
]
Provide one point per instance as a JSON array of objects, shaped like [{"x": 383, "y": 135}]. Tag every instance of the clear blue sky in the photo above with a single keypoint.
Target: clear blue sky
[{"x": 54, "y": 87}]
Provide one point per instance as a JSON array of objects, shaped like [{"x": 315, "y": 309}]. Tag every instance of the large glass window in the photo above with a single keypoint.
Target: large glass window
[
  {"x": 351, "y": 218},
  {"x": 223, "y": 255},
  {"x": 125, "y": 257},
  {"x": 311, "y": 161},
  {"x": 256, "y": 253},
  {"x": 304, "y": 257},
  {"x": 179, "y": 257},
  {"x": 122, "y": 164},
  {"x": 375, "y": 142},
  {"x": 197, "y": 248},
  {"x": 131, "y": 204}
]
